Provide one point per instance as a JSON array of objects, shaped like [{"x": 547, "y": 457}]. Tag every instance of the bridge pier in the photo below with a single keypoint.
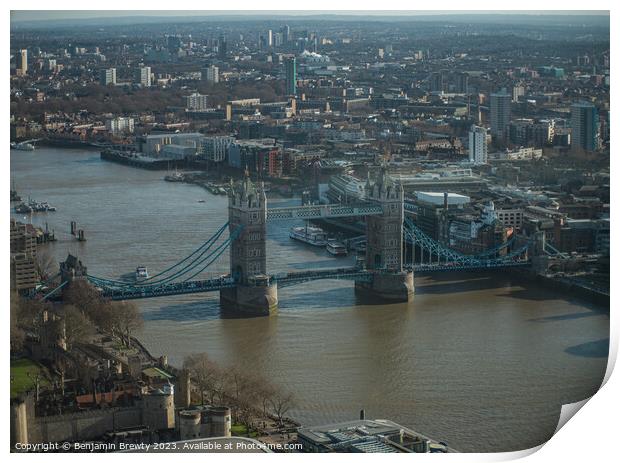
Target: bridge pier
[
  {"x": 250, "y": 300},
  {"x": 390, "y": 287}
]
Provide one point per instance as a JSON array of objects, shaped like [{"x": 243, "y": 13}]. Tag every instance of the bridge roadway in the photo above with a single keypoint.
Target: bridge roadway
[
  {"x": 215, "y": 284},
  {"x": 283, "y": 279}
]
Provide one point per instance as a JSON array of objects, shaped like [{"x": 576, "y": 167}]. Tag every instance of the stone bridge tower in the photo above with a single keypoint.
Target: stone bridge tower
[
  {"x": 254, "y": 294},
  {"x": 384, "y": 242}
]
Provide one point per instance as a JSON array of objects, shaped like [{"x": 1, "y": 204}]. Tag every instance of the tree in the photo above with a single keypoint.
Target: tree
[
  {"x": 45, "y": 265},
  {"x": 281, "y": 402},
  {"x": 84, "y": 296},
  {"x": 126, "y": 318},
  {"x": 78, "y": 326},
  {"x": 206, "y": 374},
  {"x": 17, "y": 334}
]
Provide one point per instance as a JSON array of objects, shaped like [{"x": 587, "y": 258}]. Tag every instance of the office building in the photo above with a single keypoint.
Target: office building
[
  {"x": 107, "y": 76},
  {"x": 585, "y": 126},
  {"x": 212, "y": 74},
  {"x": 196, "y": 102},
  {"x": 215, "y": 149},
  {"x": 500, "y": 115},
  {"x": 21, "y": 65},
  {"x": 478, "y": 151},
  {"x": 291, "y": 76}
]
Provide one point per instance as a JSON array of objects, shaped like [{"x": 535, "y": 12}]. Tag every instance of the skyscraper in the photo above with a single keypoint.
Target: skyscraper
[
  {"x": 107, "y": 76},
  {"x": 500, "y": 115},
  {"x": 478, "y": 150},
  {"x": 585, "y": 126},
  {"x": 222, "y": 48},
  {"x": 22, "y": 62},
  {"x": 291, "y": 76}
]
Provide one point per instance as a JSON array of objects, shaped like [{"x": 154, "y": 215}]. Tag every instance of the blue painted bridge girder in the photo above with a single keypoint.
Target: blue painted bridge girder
[{"x": 323, "y": 211}]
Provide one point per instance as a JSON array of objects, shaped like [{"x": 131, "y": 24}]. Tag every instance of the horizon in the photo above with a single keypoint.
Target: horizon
[{"x": 40, "y": 16}]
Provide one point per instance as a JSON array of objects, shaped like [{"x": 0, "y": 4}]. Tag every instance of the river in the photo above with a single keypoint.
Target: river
[{"x": 482, "y": 361}]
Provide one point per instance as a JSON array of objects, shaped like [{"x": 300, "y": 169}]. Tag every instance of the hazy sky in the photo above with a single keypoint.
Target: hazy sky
[{"x": 22, "y": 15}]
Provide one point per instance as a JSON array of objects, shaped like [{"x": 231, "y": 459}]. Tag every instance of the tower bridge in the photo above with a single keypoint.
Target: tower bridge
[{"x": 249, "y": 287}]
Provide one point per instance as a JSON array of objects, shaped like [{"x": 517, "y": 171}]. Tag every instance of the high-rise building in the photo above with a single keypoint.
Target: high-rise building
[
  {"x": 517, "y": 92},
  {"x": 212, "y": 74},
  {"x": 21, "y": 64},
  {"x": 286, "y": 32},
  {"x": 291, "y": 76},
  {"x": 500, "y": 115},
  {"x": 270, "y": 38},
  {"x": 143, "y": 76},
  {"x": 478, "y": 150},
  {"x": 585, "y": 126},
  {"x": 436, "y": 80},
  {"x": 461, "y": 82},
  {"x": 196, "y": 102},
  {"x": 107, "y": 76},
  {"x": 222, "y": 48}
]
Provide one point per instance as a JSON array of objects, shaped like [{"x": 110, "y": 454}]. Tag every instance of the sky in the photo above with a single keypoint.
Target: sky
[{"x": 42, "y": 15}]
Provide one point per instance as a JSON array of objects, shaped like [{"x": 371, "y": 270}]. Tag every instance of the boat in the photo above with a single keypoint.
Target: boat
[
  {"x": 22, "y": 146},
  {"x": 176, "y": 176},
  {"x": 336, "y": 248},
  {"x": 141, "y": 273},
  {"x": 201, "y": 200},
  {"x": 309, "y": 235},
  {"x": 23, "y": 208}
]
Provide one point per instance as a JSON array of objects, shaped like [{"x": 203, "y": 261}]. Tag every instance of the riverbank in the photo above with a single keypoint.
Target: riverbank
[{"x": 565, "y": 286}]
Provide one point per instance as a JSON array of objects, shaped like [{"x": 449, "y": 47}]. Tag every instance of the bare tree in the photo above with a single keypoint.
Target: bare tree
[
  {"x": 205, "y": 374},
  {"x": 281, "y": 402},
  {"x": 77, "y": 326},
  {"x": 127, "y": 319},
  {"x": 45, "y": 265},
  {"x": 17, "y": 334},
  {"x": 84, "y": 296}
]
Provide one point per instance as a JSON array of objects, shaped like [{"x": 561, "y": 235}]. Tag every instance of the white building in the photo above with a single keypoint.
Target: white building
[
  {"x": 215, "y": 149},
  {"x": 213, "y": 74},
  {"x": 120, "y": 125},
  {"x": 144, "y": 76},
  {"x": 478, "y": 150},
  {"x": 155, "y": 144},
  {"x": 108, "y": 76},
  {"x": 196, "y": 102}
]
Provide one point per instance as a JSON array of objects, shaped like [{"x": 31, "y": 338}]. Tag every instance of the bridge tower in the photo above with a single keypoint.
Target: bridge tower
[
  {"x": 384, "y": 242},
  {"x": 255, "y": 293}
]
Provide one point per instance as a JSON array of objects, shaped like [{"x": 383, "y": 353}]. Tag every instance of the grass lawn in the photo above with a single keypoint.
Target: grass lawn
[
  {"x": 20, "y": 381},
  {"x": 241, "y": 431}
]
